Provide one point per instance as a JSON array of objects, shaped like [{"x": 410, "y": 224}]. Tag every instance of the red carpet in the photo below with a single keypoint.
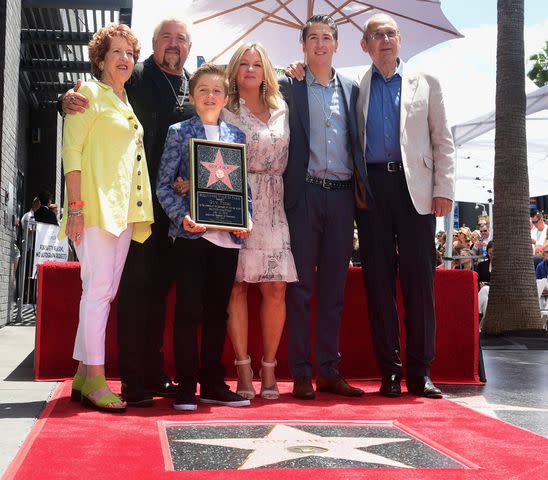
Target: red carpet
[
  {"x": 456, "y": 336},
  {"x": 69, "y": 442}
]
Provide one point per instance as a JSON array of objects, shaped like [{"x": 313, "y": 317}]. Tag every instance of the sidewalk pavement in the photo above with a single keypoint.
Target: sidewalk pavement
[{"x": 21, "y": 399}]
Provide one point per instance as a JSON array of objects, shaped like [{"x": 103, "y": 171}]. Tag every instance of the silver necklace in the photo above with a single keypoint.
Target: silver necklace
[
  {"x": 180, "y": 99},
  {"x": 327, "y": 118}
]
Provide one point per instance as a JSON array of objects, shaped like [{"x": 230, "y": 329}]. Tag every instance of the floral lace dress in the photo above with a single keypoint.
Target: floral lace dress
[{"x": 266, "y": 255}]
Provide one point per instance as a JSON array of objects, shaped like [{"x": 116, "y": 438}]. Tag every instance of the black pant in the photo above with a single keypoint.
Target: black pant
[
  {"x": 145, "y": 282},
  {"x": 395, "y": 238},
  {"x": 321, "y": 228},
  {"x": 204, "y": 275}
]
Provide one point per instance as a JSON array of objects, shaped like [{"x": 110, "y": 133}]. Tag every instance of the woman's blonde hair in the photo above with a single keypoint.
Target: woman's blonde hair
[
  {"x": 466, "y": 232},
  {"x": 271, "y": 88}
]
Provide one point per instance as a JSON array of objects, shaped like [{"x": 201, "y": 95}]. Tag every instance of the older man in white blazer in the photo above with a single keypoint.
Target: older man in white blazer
[{"x": 409, "y": 155}]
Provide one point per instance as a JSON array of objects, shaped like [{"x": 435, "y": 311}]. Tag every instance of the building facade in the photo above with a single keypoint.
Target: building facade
[{"x": 42, "y": 54}]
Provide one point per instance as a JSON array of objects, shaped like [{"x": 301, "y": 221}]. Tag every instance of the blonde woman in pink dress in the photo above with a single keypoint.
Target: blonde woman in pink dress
[{"x": 256, "y": 107}]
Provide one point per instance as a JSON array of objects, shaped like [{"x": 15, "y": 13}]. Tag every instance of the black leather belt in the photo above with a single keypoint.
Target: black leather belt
[
  {"x": 390, "y": 167},
  {"x": 329, "y": 184}
]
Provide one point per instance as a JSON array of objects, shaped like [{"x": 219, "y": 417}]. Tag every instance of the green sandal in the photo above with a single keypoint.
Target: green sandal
[
  {"x": 77, "y": 383},
  {"x": 93, "y": 384}
]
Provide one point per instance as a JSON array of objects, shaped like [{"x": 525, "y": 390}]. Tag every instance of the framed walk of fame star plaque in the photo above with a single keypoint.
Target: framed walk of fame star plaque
[{"x": 218, "y": 185}]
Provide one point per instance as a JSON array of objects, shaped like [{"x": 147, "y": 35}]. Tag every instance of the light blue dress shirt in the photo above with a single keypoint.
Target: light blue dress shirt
[
  {"x": 382, "y": 132},
  {"x": 329, "y": 150}
]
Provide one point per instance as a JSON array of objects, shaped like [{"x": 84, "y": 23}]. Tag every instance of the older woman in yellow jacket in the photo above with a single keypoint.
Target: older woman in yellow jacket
[{"x": 108, "y": 201}]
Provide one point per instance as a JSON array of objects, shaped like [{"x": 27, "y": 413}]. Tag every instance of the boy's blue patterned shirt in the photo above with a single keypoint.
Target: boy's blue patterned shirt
[{"x": 175, "y": 162}]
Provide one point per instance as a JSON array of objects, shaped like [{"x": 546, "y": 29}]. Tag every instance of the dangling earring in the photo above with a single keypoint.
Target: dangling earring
[
  {"x": 263, "y": 89},
  {"x": 234, "y": 86}
]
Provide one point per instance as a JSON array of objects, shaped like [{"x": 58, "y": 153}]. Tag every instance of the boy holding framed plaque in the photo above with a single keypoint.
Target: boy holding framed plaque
[{"x": 205, "y": 257}]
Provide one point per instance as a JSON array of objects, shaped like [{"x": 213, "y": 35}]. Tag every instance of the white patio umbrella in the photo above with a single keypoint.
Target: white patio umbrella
[{"x": 277, "y": 25}]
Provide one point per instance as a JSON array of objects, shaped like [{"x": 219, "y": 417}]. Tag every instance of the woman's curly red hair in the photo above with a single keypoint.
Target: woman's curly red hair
[{"x": 100, "y": 43}]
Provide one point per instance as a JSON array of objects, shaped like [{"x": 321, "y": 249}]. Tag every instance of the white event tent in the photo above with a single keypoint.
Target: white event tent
[{"x": 475, "y": 142}]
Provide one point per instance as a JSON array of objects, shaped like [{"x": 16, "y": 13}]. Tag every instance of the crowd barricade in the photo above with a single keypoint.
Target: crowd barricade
[
  {"x": 26, "y": 279},
  {"x": 39, "y": 244}
]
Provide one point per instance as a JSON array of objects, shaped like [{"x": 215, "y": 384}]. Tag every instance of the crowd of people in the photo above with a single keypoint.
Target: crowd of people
[
  {"x": 323, "y": 153},
  {"x": 477, "y": 249},
  {"x": 472, "y": 245}
]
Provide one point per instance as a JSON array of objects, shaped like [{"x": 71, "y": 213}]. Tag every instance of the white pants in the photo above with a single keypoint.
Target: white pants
[
  {"x": 102, "y": 257},
  {"x": 542, "y": 286},
  {"x": 483, "y": 299}
]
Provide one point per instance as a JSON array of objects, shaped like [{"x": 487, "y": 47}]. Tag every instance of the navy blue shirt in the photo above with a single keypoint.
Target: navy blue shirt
[
  {"x": 542, "y": 270},
  {"x": 382, "y": 132}
]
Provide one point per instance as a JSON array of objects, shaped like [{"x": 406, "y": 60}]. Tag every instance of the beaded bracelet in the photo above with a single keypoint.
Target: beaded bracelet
[{"x": 75, "y": 213}]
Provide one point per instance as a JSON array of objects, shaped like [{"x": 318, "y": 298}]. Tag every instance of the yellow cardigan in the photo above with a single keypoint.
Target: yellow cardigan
[{"x": 106, "y": 144}]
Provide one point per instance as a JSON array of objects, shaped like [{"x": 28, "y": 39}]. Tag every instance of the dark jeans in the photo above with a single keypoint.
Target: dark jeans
[
  {"x": 321, "y": 229},
  {"x": 204, "y": 275}
]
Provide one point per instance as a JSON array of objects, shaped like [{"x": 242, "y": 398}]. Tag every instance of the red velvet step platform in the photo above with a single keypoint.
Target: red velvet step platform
[{"x": 59, "y": 290}]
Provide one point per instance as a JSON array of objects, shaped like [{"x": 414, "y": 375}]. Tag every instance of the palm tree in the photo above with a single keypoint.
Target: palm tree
[
  {"x": 539, "y": 70},
  {"x": 513, "y": 300}
]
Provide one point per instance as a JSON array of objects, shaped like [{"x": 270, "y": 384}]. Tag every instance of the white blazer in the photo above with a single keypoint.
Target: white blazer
[{"x": 427, "y": 148}]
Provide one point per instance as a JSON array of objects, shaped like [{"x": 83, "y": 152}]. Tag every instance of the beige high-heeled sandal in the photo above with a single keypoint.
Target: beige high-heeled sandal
[
  {"x": 270, "y": 392},
  {"x": 243, "y": 390}
]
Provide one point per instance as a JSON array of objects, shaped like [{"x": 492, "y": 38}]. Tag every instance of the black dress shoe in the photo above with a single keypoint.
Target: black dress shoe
[
  {"x": 423, "y": 387},
  {"x": 390, "y": 386},
  {"x": 163, "y": 387},
  {"x": 303, "y": 389},
  {"x": 136, "y": 397},
  {"x": 337, "y": 385}
]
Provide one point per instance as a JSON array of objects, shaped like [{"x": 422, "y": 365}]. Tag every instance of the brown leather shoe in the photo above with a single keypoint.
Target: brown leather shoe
[
  {"x": 303, "y": 389},
  {"x": 337, "y": 385}
]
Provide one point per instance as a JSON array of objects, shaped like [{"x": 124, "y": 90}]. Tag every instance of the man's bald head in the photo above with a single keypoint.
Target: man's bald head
[{"x": 376, "y": 19}]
